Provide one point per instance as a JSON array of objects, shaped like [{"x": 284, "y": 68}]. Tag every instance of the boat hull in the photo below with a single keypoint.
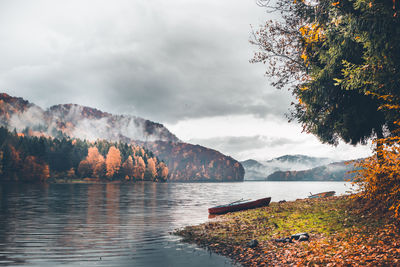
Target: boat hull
[
  {"x": 240, "y": 206},
  {"x": 323, "y": 194}
]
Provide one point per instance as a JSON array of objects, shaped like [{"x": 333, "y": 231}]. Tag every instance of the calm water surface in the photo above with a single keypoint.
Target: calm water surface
[{"x": 121, "y": 225}]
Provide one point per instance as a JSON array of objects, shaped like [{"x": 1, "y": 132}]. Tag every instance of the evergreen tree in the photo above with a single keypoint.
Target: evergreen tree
[
  {"x": 341, "y": 60},
  {"x": 33, "y": 159}
]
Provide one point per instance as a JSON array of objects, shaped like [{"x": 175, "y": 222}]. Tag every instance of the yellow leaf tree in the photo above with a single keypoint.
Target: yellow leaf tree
[
  {"x": 113, "y": 161},
  {"x": 379, "y": 175},
  {"x": 139, "y": 168},
  {"x": 151, "y": 169},
  {"x": 128, "y": 168},
  {"x": 96, "y": 162}
]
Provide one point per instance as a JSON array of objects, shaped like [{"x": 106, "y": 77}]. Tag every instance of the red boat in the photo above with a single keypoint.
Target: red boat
[{"x": 240, "y": 205}]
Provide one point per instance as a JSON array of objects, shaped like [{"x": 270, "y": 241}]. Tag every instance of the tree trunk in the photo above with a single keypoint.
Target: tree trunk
[
  {"x": 379, "y": 155},
  {"x": 379, "y": 148}
]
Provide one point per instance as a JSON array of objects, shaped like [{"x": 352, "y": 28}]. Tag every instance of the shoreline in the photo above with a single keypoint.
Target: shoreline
[
  {"x": 99, "y": 181},
  {"x": 341, "y": 233}
]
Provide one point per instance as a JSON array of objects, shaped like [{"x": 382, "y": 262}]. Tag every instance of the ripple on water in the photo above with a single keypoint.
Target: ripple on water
[{"x": 120, "y": 225}]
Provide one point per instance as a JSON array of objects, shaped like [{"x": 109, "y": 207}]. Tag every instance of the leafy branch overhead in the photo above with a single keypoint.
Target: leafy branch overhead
[
  {"x": 341, "y": 61},
  {"x": 335, "y": 57}
]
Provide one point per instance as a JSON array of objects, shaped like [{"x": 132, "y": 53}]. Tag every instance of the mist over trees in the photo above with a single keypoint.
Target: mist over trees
[
  {"x": 37, "y": 159},
  {"x": 71, "y": 121}
]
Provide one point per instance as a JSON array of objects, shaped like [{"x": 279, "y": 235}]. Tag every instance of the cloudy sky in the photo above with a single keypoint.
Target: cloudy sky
[{"x": 183, "y": 63}]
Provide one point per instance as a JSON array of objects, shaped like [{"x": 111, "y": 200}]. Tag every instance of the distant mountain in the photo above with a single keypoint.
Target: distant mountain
[
  {"x": 337, "y": 171},
  {"x": 251, "y": 163},
  {"x": 260, "y": 170},
  {"x": 186, "y": 162},
  {"x": 254, "y": 170},
  {"x": 300, "y": 160}
]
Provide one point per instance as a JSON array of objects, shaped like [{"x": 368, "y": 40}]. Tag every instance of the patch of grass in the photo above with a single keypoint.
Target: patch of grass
[{"x": 329, "y": 222}]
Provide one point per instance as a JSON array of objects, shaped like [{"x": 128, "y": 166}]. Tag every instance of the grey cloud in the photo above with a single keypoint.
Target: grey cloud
[
  {"x": 234, "y": 145},
  {"x": 165, "y": 63}
]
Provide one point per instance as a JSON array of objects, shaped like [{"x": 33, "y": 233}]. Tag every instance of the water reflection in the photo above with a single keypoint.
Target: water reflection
[{"x": 119, "y": 224}]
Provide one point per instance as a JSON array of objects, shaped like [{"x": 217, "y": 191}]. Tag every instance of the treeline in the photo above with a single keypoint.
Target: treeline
[
  {"x": 34, "y": 159},
  {"x": 189, "y": 163}
]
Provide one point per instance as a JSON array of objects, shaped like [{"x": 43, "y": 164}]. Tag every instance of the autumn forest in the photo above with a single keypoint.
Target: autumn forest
[{"x": 38, "y": 159}]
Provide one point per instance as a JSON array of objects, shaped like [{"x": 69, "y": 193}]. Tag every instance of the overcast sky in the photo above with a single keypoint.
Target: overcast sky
[{"x": 183, "y": 63}]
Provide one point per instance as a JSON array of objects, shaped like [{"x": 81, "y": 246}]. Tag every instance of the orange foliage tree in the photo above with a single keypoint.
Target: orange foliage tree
[
  {"x": 139, "y": 168},
  {"x": 162, "y": 171},
  {"x": 84, "y": 169},
  {"x": 151, "y": 170},
  {"x": 94, "y": 164},
  {"x": 379, "y": 176},
  {"x": 128, "y": 168},
  {"x": 113, "y": 161},
  {"x": 34, "y": 170}
]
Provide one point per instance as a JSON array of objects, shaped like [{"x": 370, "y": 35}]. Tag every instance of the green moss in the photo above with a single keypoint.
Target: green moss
[
  {"x": 340, "y": 229},
  {"x": 315, "y": 216}
]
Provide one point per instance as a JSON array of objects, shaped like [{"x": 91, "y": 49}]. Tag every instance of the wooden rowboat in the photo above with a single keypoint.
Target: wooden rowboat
[
  {"x": 240, "y": 205},
  {"x": 323, "y": 194}
]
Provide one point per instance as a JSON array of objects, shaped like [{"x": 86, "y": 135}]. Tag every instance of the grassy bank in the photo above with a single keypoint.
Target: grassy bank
[{"x": 341, "y": 233}]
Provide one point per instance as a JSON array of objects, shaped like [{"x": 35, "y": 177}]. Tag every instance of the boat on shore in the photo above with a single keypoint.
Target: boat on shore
[
  {"x": 323, "y": 194},
  {"x": 240, "y": 205}
]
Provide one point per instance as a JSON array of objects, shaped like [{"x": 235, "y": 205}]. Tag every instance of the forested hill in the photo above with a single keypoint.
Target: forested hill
[
  {"x": 260, "y": 170},
  {"x": 337, "y": 171},
  {"x": 186, "y": 162},
  {"x": 38, "y": 159}
]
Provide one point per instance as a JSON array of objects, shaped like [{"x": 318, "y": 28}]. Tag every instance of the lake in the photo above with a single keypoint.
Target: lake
[{"x": 122, "y": 224}]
